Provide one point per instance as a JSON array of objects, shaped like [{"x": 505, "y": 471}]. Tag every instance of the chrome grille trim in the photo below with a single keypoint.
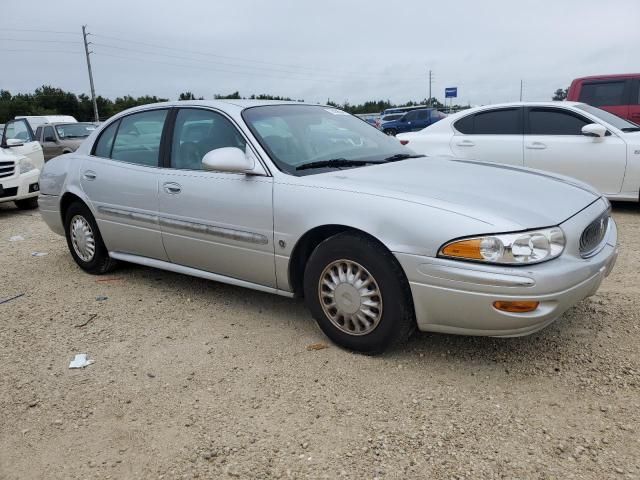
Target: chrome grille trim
[
  {"x": 7, "y": 169},
  {"x": 593, "y": 237}
]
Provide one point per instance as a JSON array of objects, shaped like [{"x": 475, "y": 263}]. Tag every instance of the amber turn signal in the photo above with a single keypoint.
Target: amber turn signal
[
  {"x": 469, "y": 249},
  {"x": 522, "y": 306}
]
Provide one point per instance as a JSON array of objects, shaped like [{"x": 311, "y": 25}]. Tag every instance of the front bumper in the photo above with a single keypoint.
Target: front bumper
[
  {"x": 20, "y": 186},
  {"x": 457, "y": 297}
]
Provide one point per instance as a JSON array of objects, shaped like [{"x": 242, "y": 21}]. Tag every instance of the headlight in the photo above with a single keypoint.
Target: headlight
[
  {"x": 510, "y": 248},
  {"x": 26, "y": 165}
]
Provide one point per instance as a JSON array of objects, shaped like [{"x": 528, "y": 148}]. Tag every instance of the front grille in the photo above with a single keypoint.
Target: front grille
[
  {"x": 592, "y": 237},
  {"x": 8, "y": 192},
  {"x": 7, "y": 169}
]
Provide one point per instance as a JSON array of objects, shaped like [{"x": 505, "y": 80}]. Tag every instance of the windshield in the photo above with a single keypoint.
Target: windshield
[
  {"x": 610, "y": 118},
  {"x": 75, "y": 130},
  {"x": 295, "y": 135}
]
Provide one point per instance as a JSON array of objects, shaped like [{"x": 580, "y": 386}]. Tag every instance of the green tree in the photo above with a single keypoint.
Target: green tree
[{"x": 560, "y": 94}]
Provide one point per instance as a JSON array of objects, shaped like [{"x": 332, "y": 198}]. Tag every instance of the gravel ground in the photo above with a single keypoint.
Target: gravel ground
[{"x": 196, "y": 379}]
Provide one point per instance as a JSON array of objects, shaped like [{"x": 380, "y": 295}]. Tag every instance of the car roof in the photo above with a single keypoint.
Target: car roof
[
  {"x": 604, "y": 77},
  {"x": 227, "y": 105}
]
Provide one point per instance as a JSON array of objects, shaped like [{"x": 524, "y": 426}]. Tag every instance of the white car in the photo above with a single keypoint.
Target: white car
[
  {"x": 21, "y": 161},
  {"x": 569, "y": 138}
]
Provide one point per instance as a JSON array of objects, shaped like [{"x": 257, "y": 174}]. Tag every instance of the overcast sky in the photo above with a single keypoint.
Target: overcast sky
[{"x": 348, "y": 50}]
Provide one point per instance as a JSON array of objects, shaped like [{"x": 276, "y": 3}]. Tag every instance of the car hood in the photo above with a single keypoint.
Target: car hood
[
  {"x": 8, "y": 155},
  {"x": 506, "y": 198},
  {"x": 72, "y": 142}
]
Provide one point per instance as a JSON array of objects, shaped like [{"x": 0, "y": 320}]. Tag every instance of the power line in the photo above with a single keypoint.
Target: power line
[
  {"x": 200, "y": 67},
  {"x": 224, "y": 64},
  {"x": 38, "y": 31},
  {"x": 32, "y": 50},
  {"x": 39, "y": 41},
  {"x": 239, "y": 59}
]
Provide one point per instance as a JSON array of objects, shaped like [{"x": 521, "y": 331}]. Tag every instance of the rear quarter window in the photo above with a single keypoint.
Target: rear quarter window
[
  {"x": 603, "y": 93},
  {"x": 465, "y": 124}
]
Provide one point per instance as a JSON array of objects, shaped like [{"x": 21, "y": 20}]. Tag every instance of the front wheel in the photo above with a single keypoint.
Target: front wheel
[
  {"x": 358, "y": 294},
  {"x": 391, "y": 132},
  {"x": 84, "y": 240}
]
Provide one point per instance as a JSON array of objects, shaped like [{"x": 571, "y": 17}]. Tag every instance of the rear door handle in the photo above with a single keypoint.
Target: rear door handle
[
  {"x": 465, "y": 143},
  {"x": 536, "y": 146},
  {"x": 89, "y": 175},
  {"x": 172, "y": 188}
]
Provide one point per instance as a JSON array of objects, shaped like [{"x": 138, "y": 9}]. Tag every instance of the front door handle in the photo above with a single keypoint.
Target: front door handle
[
  {"x": 89, "y": 175},
  {"x": 465, "y": 143},
  {"x": 172, "y": 188},
  {"x": 536, "y": 146}
]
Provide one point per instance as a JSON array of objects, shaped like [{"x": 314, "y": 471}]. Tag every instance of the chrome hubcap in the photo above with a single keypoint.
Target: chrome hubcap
[
  {"x": 82, "y": 238},
  {"x": 350, "y": 297}
]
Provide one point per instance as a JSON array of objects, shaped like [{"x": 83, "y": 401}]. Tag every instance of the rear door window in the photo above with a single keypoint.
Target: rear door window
[
  {"x": 504, "y": 121},
  {"x": 105, "y": 142},
  {"x": 552, "y": 121},
  {"x": 603, "y": 93},
  {"x": 138, "y": 138}
]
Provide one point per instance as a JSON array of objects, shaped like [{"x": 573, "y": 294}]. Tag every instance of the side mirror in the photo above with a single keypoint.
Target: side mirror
[
  {"x": 228, "y": 159},
  {"x": 594, "y": 130},
  {"x": 14, "y": 142}
]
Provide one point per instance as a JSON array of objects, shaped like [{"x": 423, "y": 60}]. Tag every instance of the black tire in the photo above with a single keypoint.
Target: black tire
[
  {"x": 391, "y": 132},
  {"x": 100, "y": 262},
  {"x": 27, "y": 203},
  {"x": 397, "y": 321}
]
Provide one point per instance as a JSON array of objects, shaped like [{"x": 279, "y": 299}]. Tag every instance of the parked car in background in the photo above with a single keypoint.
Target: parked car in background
[
  {"x": 387, "y": 118},
  {"x": 568, "y": 138},
  {"x": 618, "y": 94},
  {"x": 370, "y": 118},
  {"x": 412, "y": 121},
  {"x": 402, "y": 109},
  {"x": 60, "y": 138},
  {"x": 21, "y": 161},
  {"x": 307, "y": 200},
  {"x": 36, "y": 120}
]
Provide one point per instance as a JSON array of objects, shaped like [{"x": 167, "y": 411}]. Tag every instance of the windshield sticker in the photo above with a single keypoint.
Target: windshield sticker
[{"x": 335, "y": 111}]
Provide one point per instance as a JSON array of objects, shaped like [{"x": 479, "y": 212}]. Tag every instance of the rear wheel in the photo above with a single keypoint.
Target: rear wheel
[
  {"x": 27, "y": 203},
  {"x": 84, "y": 240},
  {"x": 391, "y": 131},
  {"x": 357, "y": 292}
]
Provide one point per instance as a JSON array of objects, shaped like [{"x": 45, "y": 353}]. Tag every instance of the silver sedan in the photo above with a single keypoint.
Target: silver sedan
[{"x": 306, "y": 200}]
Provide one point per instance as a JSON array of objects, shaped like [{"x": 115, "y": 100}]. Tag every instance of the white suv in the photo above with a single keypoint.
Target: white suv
[{"x": 21, "y": 160}]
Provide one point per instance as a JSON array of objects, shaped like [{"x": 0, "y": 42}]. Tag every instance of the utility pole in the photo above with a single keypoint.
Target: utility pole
[
  {"x": 430, "y": 80},
  {"x": 520, "y": 90},
  {"x": 93, "y": 91}
]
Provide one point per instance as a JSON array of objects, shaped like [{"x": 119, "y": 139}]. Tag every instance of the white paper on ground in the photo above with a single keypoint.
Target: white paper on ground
[
  {"x": 80, "y": 361},
  {"x": 38, "y": 254},
  {"x": 16, "y": 238}
]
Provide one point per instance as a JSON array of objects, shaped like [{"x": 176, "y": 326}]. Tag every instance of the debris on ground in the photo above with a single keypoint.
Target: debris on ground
[
  {"x": 80, "y": 361},
  {"x": 39, "y": 254},
  {"x": 16, "y": 238},
  {"x": 101, "y": 298},
  {"x": 11, "y": 298},
  {"x": 317, "y": 346},
  {"x": 112, "y": 279},
  {"x": 91, "y": 317}
]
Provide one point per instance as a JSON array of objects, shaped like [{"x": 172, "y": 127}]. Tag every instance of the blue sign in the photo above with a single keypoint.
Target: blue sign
[{"x": 451, "y": 92}]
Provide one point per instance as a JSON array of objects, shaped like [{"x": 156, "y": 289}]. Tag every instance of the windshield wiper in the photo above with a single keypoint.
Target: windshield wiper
[
  {"x": 334, "y": 163},
  {"x": 401, "y": 156},
  {"x": 631, "y": 129}
]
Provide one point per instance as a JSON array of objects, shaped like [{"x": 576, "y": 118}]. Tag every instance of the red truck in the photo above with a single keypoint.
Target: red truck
[{"x": 618, "y": 94}]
